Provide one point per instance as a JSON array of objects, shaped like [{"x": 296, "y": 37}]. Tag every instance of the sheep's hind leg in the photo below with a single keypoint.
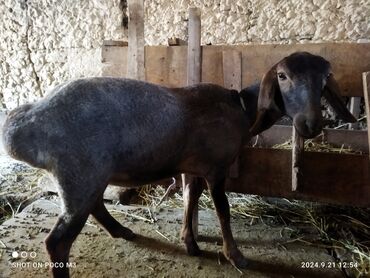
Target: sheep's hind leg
[
  {"x": 76, "y": 209},
  {"x": 60, "y": 239},
  {"x": 113, "y": 227},
  {"x": 216, "y": 187},
  {"x": 191, "y": 193}
]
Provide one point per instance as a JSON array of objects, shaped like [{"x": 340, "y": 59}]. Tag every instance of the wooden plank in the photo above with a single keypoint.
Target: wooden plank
[
  {"x": 212, "y": 69},
  {"x": 348, "y": 61},
  {"x": 159, "y": 60},
  {"x": 135, "y": 58},
  {"x": 355, "y": 109},
  {"x": 162, "y": 65},
  {"x": 115, "y": 43},
  {"x": 328, "y": 177},
  {"x": 366, "y": 87},
  {"x": 354, "y": 139},
  {"x": 114, "y": 55},
  {"x": 232, "y": 69},
  {"x": 232, "y": 76},
  {"x": 114, "y": 61},
  {"x": 297, "y": 159},
  {"x": 194, "y": 49}
]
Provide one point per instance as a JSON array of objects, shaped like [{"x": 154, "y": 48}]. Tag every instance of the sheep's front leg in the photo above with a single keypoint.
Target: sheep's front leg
[{"x": 217, "y": 189}]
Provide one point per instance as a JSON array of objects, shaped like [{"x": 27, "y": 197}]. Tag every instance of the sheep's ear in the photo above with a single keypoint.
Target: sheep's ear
[
  {"x": 333, "y": 96},
  {"x": 270, "y": 104}
]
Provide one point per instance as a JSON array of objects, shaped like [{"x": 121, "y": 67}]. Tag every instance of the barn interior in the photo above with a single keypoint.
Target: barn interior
[{"x": 299, "y": 208}]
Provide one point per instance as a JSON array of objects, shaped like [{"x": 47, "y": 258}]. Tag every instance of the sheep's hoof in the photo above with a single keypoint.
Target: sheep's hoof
[
  {"x": 237, "y": 259},
  {"x": 124, "y": 233},
  {"x": 193, "y": 249}
]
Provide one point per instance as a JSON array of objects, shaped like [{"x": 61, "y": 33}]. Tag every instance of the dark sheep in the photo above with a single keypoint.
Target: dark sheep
[
  {"x": 293, "y": 87},
  {"x": 95, "y": 131}
]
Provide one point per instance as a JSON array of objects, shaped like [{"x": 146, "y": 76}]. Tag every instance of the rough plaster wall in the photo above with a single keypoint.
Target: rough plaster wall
[
  {"x": 45, "y": 42},
  {"x": 257, "y": 21}
]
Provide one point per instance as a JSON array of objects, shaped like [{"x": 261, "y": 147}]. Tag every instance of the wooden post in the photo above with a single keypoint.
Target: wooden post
[
  {"x": 297, "y": 157},
  {"x": 354, "y": 108},
  {"x": 366, "y": 86},
  {"x": 194, "y": 48},
  {"x": 135, "y": 58},
  {"x": 193, "y": 77},
  {"x": 232, "y": 72}
]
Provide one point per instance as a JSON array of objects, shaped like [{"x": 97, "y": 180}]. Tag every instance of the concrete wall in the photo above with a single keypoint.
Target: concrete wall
[{"x": 45, "y": 42}]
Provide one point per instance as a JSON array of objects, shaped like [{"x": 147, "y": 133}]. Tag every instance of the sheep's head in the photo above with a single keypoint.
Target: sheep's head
[{"x": 294, "y": 87}]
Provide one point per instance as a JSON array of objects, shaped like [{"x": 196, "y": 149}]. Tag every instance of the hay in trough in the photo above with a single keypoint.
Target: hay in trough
[{"x": 314, "y": 146}]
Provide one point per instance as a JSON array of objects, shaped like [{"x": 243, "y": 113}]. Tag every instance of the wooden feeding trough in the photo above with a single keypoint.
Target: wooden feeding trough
[{"x": 327, "y": 177}]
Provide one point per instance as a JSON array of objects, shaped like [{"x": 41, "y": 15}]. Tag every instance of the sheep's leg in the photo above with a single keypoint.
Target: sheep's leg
[
  {"x": 191, "y": 194},
  {"x": 231, "y": 251},
  {"x": 60, "y": 239},
  {"x": 79, "y": 191},
  {"x": 113, "y": 227}
]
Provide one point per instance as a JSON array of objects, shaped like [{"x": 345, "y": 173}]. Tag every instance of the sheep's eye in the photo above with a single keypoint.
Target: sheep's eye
[
  {"x": 329, "y": 74},
  {"x": 281, "y": 76}
]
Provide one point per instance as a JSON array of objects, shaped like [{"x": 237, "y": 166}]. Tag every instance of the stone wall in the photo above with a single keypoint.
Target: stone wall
[
  {"x": 257, "y": 21},
  {"x": 45, "y": 42}
]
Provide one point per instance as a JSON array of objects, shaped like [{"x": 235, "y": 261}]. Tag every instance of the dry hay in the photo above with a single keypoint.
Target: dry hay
[
  {"x": 18, "y": 189},
  {"x": 342, "y": 230},
  {"x": 314, "y": 146}
]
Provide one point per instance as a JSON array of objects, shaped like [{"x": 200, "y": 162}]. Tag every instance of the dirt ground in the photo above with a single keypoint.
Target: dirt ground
[{"x": 158, "y": 250}]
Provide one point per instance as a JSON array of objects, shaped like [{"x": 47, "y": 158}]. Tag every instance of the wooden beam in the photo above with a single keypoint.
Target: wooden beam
[
  {"x": 194, "y": 59},
  {"x": 328, "y": 177},
  {"x": 366, "y": 86},
  {"x": 115, "y": 43},
  {"x": 297, "y": 159},
  {"x": 135, "y": 58},
  {"x": 194, "y": 48}
]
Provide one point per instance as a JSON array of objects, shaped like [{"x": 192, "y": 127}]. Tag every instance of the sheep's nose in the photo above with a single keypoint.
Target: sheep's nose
[
  {"x": 307, "y": 127},
  {"x": 313, "y": 127}
]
